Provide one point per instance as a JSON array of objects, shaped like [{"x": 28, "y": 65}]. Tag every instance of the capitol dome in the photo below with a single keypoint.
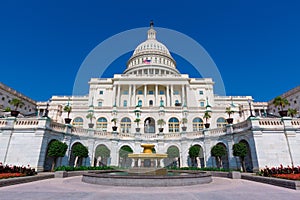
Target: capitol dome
[{"x": 151, "y": 57}]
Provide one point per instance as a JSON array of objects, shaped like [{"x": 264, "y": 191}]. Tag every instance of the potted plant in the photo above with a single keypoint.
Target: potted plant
[
  {"x": 282, "y": 102},
  {"x": 90, "y": 116},
  {"x": 184, "y": 121},
  {"x": 137, "y": 121},
  {"x": 206, "y": 117},
  {"x": 7, "y": 109},
  {"x": 161, "y": 122},
  {"x": 68, "y": 109},
  {"x": 229, "y": 112},
  {"x": 114, "y": 120},
  {"x": 16, "y": 103}
]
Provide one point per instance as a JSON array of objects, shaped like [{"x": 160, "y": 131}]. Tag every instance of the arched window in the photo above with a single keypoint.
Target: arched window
[
  {"x": 78, "y": 122},
  {"x": 221, "y": 122},
  {"x": 197, "y": 124},
  {"x": 125, "y": 125},
  {"x": 101, "y": 124},
  {"x": 150, "y": 103},
  {"x": 173, "y": 125}
]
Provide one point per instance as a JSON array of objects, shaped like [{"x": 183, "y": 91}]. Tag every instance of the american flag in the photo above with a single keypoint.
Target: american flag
[{"x": 147, "y": 61}]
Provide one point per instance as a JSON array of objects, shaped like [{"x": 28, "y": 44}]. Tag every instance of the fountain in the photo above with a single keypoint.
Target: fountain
[
  {"x": 147, "y": 171},
  {"x": 147, "y": 163}
]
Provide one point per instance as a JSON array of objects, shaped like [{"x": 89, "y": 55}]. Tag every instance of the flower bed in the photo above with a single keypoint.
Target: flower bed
[
  {"x": 291, "y": 173},
  {"x": 9, "y": 171}
]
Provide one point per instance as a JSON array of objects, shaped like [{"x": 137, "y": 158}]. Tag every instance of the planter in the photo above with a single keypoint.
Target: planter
[
  {"x": 184, "y": 128},
  {"x": 68, "y": 120},
  {"x": 91, "y": 125},
  {"x": 114, "y": 128},
  {"x": 283, "y": 113},
  {"x": 14, "y": 113},
  {"x": 229, "y": 120},
  {"x": 137, "y": 130},
  {"x": 177, "y": 104},
  {"x": 207, "y": 125},
  {"x": 160, "y": 130}
]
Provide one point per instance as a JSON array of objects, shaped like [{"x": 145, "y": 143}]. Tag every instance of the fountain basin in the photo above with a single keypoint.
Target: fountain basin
[{"x": 173, "y": 178}]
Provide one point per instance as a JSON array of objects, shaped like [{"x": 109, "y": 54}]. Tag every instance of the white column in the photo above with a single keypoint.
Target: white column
[
  {"x": 134, "y": 95},
  {"x": 139, "y": 162},
  {"x": 168, "y": 96},
  {"x": 119, "y": 94},
  {"x": 132, "y": 162},
  {"x": 145, "y": 95},
  {"x": 156, "y": 96},
  {"x": 129, "y": 96},
  {"x": 114, "y": 95},
  {"x": 182, "y": 95},
  {"x": 172, "y": 98},
  {"x": 186, "y": 99}
]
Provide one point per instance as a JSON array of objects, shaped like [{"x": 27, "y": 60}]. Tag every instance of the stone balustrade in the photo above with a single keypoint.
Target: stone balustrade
[{"x": 263, "y": 123}]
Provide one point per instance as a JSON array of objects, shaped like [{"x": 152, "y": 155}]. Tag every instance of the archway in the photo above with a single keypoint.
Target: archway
[
  {"x": 124, "y": 161},
  {"x": 225, "y": 162},
  {"x": 248, "y": 158},
  {"x": 173, "y": 159},
  {"x": 48, "y": 160},
  {"x": 149, "y": 125},
  {"x": 196, "y": 156},
  {"x": 102, "y": 156},
  {"x": 73, "y": 160}
]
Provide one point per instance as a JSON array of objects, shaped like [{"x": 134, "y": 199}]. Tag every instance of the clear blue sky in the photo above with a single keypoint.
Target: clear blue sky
[{"x": 255, "y": 44}]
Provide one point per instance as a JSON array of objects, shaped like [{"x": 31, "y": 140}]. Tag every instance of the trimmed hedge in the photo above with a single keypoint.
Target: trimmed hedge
[{"x": 82, "y": 168}]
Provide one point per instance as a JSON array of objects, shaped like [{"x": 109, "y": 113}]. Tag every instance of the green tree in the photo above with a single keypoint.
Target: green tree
[
  {"x": 292, "y": 112},
  {"x": 173, "y": 152},
  {"x": 79, "y": 151},
  {"x": 194, "y": 153},
  {"x": 103, "y": 152},
  {"x": 123, "y": 153},
  {"x": 281, "y": 102},
  {"x": 218, "y": 151},
  {"x": 56, "y": 149},
  {"x": 16, "y": 103},
  {"x": 240, "y": 149}
]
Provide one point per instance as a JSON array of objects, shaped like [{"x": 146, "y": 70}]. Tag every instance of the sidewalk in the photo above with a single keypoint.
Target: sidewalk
[{"x": 220, "y": 188}]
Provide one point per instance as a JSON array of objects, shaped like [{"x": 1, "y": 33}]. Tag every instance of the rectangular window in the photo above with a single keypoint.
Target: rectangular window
[
  {"x": 140, "y": 91},
  {"x": 176, "y": 92},
  {"x": 100, "y": 104},
  {"x": 201, "y": 92},
  {"x": 101, "y": 92},
  {"x": 150, "y": 92},
  {"x": 124, "y": 103},
  {"x": 201, "y": 104},
  {"x": 125, "y": 92},
  {"x": 161, "y": 92}
]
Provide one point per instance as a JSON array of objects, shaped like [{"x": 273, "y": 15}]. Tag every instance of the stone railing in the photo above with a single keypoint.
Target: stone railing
[
  {"x": 172, "y": 135},
  {"x": 270, "y": 122},
  {"x": 149, "y": 136},
  {"x": 102, "y": 134},
  {"x": 295, "y": 123},
  {"x": 3, "y": 122},
  {"x": 126, "y": 135},
  {"x": 79, "y": 131},
  {"x": 217, "y": 131},
  {"x": 26, "y": 123},
  {"x": 194, "y": 134},
  {"x": 57, "y": 126},
  {"x": 241, "y": 126}
]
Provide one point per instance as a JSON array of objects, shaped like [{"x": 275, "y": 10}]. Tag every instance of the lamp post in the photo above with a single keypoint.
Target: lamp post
[{"x": 249, "y": 102}]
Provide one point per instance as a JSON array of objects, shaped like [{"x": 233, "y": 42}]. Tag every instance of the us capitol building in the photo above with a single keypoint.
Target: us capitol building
[{"x": 149, "y": 91}]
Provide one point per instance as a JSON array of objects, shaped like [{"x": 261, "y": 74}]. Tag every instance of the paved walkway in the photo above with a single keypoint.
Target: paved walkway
[{"x": 73, "y": 188}]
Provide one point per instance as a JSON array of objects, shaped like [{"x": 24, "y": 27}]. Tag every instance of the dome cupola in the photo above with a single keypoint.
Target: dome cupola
[{"x": 151, "y": 54}]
